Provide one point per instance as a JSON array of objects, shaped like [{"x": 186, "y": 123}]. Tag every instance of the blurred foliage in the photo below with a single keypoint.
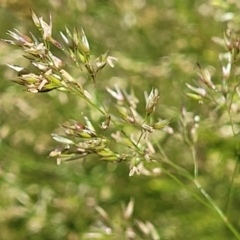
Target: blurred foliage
[{"x": 158, "y": 44}]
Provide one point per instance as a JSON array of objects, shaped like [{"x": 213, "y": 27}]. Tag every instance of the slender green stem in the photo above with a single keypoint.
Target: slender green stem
[
  {"x": 217, "y": 209},
  {"x": 193, "y": 152},
  {"x": 230, "y": 196},
  {"x": 186, "y": 174},
  {"x": 206, "y": 195},
  {"x": 195, "y": 162},
  {"x": 140, "y": 137},
  {"x": 142, "y": 132},
  {"x": 178, "y": 168},
  {"x": 182, "y": 171},
  {"x": 184, "y": 186},
  {"x": 230, "y": 119}
]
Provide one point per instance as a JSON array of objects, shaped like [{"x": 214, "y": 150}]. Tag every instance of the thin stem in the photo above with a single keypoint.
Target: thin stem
[
  {"x": 226, "y": 106},
  {"x": 140, "y": 137},
  {"x": 230, "y": 118},
  {"x": 217, "y": 209},
  {"x": 142, "y": 132},
  {"x": 166, "y": 160},
  {"x": 230, "y": 196},
  {"x": 184, "y": 186},
  {"x": 206, "y": 195},
  {"x": 195, "y": 162},
  {"x": 184, "y": 173},
  {"x": 193, "y": 151}
]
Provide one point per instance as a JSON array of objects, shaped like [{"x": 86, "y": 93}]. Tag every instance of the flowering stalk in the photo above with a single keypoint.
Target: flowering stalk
[{"x": 81, "y": 139}]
